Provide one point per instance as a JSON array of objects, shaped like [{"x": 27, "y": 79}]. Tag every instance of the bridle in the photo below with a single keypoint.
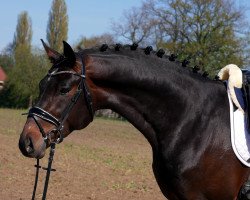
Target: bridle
[
  {"x": 58, "y": 123},
  {"x": 37, "y": 112}
]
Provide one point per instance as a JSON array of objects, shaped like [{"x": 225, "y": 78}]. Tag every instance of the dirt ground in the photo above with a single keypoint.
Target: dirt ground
[{"x": 109, "y": 160}]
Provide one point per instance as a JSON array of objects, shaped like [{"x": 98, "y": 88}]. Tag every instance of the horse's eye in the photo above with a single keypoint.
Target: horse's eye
[{"x": 64, "y": 91}]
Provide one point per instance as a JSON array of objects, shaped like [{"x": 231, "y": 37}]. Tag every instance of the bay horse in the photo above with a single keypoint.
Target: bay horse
[{"x": 183, "y": 115}]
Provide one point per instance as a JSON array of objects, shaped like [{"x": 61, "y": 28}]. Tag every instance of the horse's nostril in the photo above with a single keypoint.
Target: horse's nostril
[{"x": 29, "y": 146}]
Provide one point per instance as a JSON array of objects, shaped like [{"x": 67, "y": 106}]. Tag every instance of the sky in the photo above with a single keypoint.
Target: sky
[{"x": 86, "y": 17}]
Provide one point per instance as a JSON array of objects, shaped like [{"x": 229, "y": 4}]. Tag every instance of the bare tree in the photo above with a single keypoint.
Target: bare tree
[
  {"x": 207, "y": 31},
  {"x": 134, "y": 26}
]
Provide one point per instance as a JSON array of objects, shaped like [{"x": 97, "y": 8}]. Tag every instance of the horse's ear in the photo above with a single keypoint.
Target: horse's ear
[
  {"x": 52, "y": 54},
  {"x": 69, "y": 54}
]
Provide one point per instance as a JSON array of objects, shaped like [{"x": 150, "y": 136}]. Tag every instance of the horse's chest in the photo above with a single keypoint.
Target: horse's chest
[{"x": 167, "y": 176}]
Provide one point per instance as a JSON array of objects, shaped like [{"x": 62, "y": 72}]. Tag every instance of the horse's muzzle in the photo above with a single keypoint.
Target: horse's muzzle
[{"x": 31, "y": 149}]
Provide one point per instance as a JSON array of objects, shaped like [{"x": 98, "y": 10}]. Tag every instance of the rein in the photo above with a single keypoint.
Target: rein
[
  {"x": 37, "y": 112},
  {"x": 48, "y": 169}
]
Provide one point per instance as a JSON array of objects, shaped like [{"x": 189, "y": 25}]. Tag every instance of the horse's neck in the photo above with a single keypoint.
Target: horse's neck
[{"x": 155, "y": 103}]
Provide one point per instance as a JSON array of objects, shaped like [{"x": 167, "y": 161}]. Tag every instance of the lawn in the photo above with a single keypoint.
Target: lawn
[{"x": 109, "y": 159}]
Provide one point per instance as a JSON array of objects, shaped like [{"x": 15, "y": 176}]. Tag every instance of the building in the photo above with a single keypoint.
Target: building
[{"x": 3, "y": 78}]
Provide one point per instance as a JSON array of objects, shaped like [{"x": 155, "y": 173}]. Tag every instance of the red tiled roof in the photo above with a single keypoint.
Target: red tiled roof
[{"x": 3, "y": 76}]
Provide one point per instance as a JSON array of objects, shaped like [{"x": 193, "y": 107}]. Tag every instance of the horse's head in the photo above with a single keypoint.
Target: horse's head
[{"x": 64, "y": 96}]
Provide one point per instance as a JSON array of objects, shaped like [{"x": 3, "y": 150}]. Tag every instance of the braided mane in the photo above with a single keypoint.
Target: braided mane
[{"x": 147, "y": 51}]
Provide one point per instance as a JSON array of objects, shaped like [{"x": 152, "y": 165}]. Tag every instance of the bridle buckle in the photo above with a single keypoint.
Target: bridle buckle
[{"x": 57, "y": 132}]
